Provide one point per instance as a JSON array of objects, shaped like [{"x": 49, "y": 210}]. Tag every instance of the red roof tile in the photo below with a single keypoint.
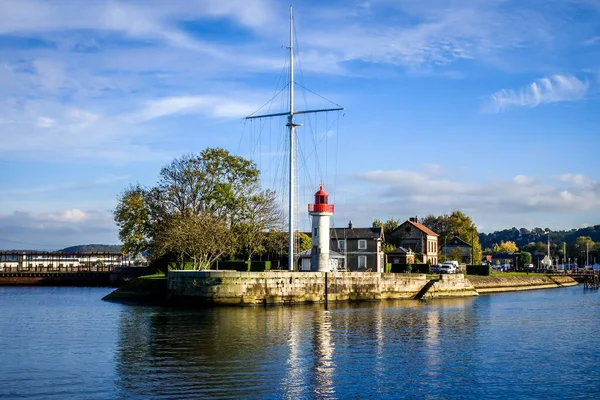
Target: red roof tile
[{"x": 422, "y": 228}]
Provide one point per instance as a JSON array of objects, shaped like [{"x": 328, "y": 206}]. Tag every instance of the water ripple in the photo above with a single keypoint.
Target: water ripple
[{"x": 59, "y": 343}]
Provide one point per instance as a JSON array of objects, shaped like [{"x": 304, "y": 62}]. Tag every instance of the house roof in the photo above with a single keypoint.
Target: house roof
[
  {"x": 400, "y": 250},
  {"x": 419, "y": 226},
  {"x": 357, "y": 233},
  {"x": 456, "y": 242}
]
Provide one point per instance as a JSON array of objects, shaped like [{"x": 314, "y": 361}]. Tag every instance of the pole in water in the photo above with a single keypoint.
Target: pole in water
[{"x": 326, "y": 291}]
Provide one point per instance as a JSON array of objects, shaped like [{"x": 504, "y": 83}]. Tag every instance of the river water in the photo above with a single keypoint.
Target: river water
[{"x": 66, "y": 343}]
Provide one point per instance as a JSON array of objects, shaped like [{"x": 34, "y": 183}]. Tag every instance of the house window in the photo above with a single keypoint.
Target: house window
[
  {"x": 362, "y": 244},
  {"x": 316, "y": 232},
  {"x": 341, "y": 244},
  {"x": 362, "y": 262}
]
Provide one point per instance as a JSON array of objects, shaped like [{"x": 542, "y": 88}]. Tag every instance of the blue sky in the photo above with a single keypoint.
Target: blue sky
[{"x": 488, "y": 106}]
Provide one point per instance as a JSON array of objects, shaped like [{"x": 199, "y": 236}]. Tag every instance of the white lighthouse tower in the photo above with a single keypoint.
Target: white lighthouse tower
[{"x": 320, "y": 212}]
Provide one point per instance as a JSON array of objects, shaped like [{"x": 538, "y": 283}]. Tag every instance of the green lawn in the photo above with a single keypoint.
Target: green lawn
[
  {"x": 153, "y": 276},
  {"x": 501, "y": 274}
]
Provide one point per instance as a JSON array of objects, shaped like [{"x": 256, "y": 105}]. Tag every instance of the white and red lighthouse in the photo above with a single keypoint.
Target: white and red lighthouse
[{"x": 320, "y": 211}]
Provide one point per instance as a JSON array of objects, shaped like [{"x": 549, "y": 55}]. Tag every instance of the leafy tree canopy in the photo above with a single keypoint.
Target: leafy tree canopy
[
  {"x": 456, "y": 224},
  {"x": 505, "y": 247},
  {"x": 203, "y": 206}
]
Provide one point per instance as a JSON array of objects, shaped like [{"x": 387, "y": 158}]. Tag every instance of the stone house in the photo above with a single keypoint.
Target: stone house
[
  {"x": 361, "y": 247},
  {"x": 400, "y": 255},
  {"x": 413, "y": 235},
  {"x": 457, "y": 246}
]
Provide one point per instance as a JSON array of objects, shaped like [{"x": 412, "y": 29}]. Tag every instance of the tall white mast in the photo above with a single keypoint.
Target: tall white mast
[{"x": 292, "y": 128}]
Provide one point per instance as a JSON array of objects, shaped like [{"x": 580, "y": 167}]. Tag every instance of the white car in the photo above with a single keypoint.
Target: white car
[{"x": 448, "y": 267}]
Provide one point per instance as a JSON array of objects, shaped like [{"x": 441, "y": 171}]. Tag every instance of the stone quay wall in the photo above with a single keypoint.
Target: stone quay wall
[
  {"x": 281, "y": 287},
  {"x": 451, "y": 285},
  {"x": 488, "y": 284}
]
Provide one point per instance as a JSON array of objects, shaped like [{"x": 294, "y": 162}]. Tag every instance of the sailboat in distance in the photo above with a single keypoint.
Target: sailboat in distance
[{"x": 292, "y": 125}]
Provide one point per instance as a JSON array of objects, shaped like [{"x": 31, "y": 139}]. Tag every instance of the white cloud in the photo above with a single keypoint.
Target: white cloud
[
  {"x": 62, "y": 228},
  {"x": 418, "y": 190},
  {"x": 152, "y": 19},
  {"x": 577, "y": 180},
  {"x": 45, "y": 122},
  {"x": 523, "y": 180},
  {"x": 557, "y": 88},
  {"x": 74, "y": 215},
  {"x": 7, "y": 193},
  {"x": 214, "y": 106}
]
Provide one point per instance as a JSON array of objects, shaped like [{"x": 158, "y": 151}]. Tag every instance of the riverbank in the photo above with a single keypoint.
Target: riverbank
[{"x": 498, "y": 284}]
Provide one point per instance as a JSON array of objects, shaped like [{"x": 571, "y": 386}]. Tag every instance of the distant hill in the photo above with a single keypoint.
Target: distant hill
[{"x": 93, "y": 248}]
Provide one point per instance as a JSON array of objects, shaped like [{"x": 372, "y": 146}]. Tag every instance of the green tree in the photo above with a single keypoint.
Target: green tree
[
  {"x": 387, "y": 247},
  {"x": 131, "y": 216},
  {"x": 388, "y": 227},
  {"x": 193, "y": 212},
  {"x": 584, "y": 242},
  {"x": 199, "y": 240},
  {"x": 524, "y": 258},
  {"x": 304, "y": 242},
  {"x": 456, "y": 224},
  {"x": 506, "y": 247},
  {"x": 257, "y": 216}
]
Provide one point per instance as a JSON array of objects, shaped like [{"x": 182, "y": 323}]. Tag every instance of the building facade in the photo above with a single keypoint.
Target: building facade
[
  {"x": 361, "y": 247},
  {"x": 414, "y": 236},
  {"x": 457, "y": 249}
]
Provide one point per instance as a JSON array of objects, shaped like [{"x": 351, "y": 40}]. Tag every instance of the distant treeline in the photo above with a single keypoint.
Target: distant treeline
[{"x": 522, "y": 237}]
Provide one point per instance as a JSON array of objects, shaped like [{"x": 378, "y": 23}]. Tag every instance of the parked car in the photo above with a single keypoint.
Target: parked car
[
  {"x": 435, "y": 268},
  {"x": 529, "y": 267},
  {"x": 449, "y": 267}
]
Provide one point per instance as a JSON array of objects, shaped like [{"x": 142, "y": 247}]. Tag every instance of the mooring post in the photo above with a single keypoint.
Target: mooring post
[{"x": 326, "y": 291}]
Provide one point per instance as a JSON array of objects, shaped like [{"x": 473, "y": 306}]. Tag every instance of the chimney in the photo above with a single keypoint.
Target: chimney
[
  {"x": 350, "y": 224},
  {"x": 413, "y": 219}
]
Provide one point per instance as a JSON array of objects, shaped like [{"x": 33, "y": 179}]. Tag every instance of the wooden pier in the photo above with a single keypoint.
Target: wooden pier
[{"x": 591, "y": 279}]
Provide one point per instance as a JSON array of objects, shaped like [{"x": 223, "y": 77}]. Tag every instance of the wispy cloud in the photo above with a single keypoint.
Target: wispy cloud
[
  {"x": 63, "y": 186},
  {"x": 554, "y": 89},
  {"x": 214, "y": 106},
  {"x": 591, "y": 41},
  {"x": 420, "y": 190}
]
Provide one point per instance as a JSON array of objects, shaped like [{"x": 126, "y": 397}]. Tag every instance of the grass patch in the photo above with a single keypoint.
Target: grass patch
[
  {"x": 153, "y": 276},
  {"x": 501, "y": 274}
]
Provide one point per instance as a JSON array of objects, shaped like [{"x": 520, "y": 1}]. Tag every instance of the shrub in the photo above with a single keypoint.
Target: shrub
[
  {"x": 482, "y": 270},
  {"x": 417, "y": 268}
]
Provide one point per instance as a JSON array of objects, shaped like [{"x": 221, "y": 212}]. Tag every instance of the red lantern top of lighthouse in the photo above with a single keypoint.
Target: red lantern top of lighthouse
[{"x": 320, "y": 204}]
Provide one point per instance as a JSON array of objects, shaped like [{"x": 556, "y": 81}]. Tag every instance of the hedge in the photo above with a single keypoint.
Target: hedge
[
  {"x": 483, "y": 270},
  {"x": 416, "y": 268},
  {"x": 255, "y": 266}
]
